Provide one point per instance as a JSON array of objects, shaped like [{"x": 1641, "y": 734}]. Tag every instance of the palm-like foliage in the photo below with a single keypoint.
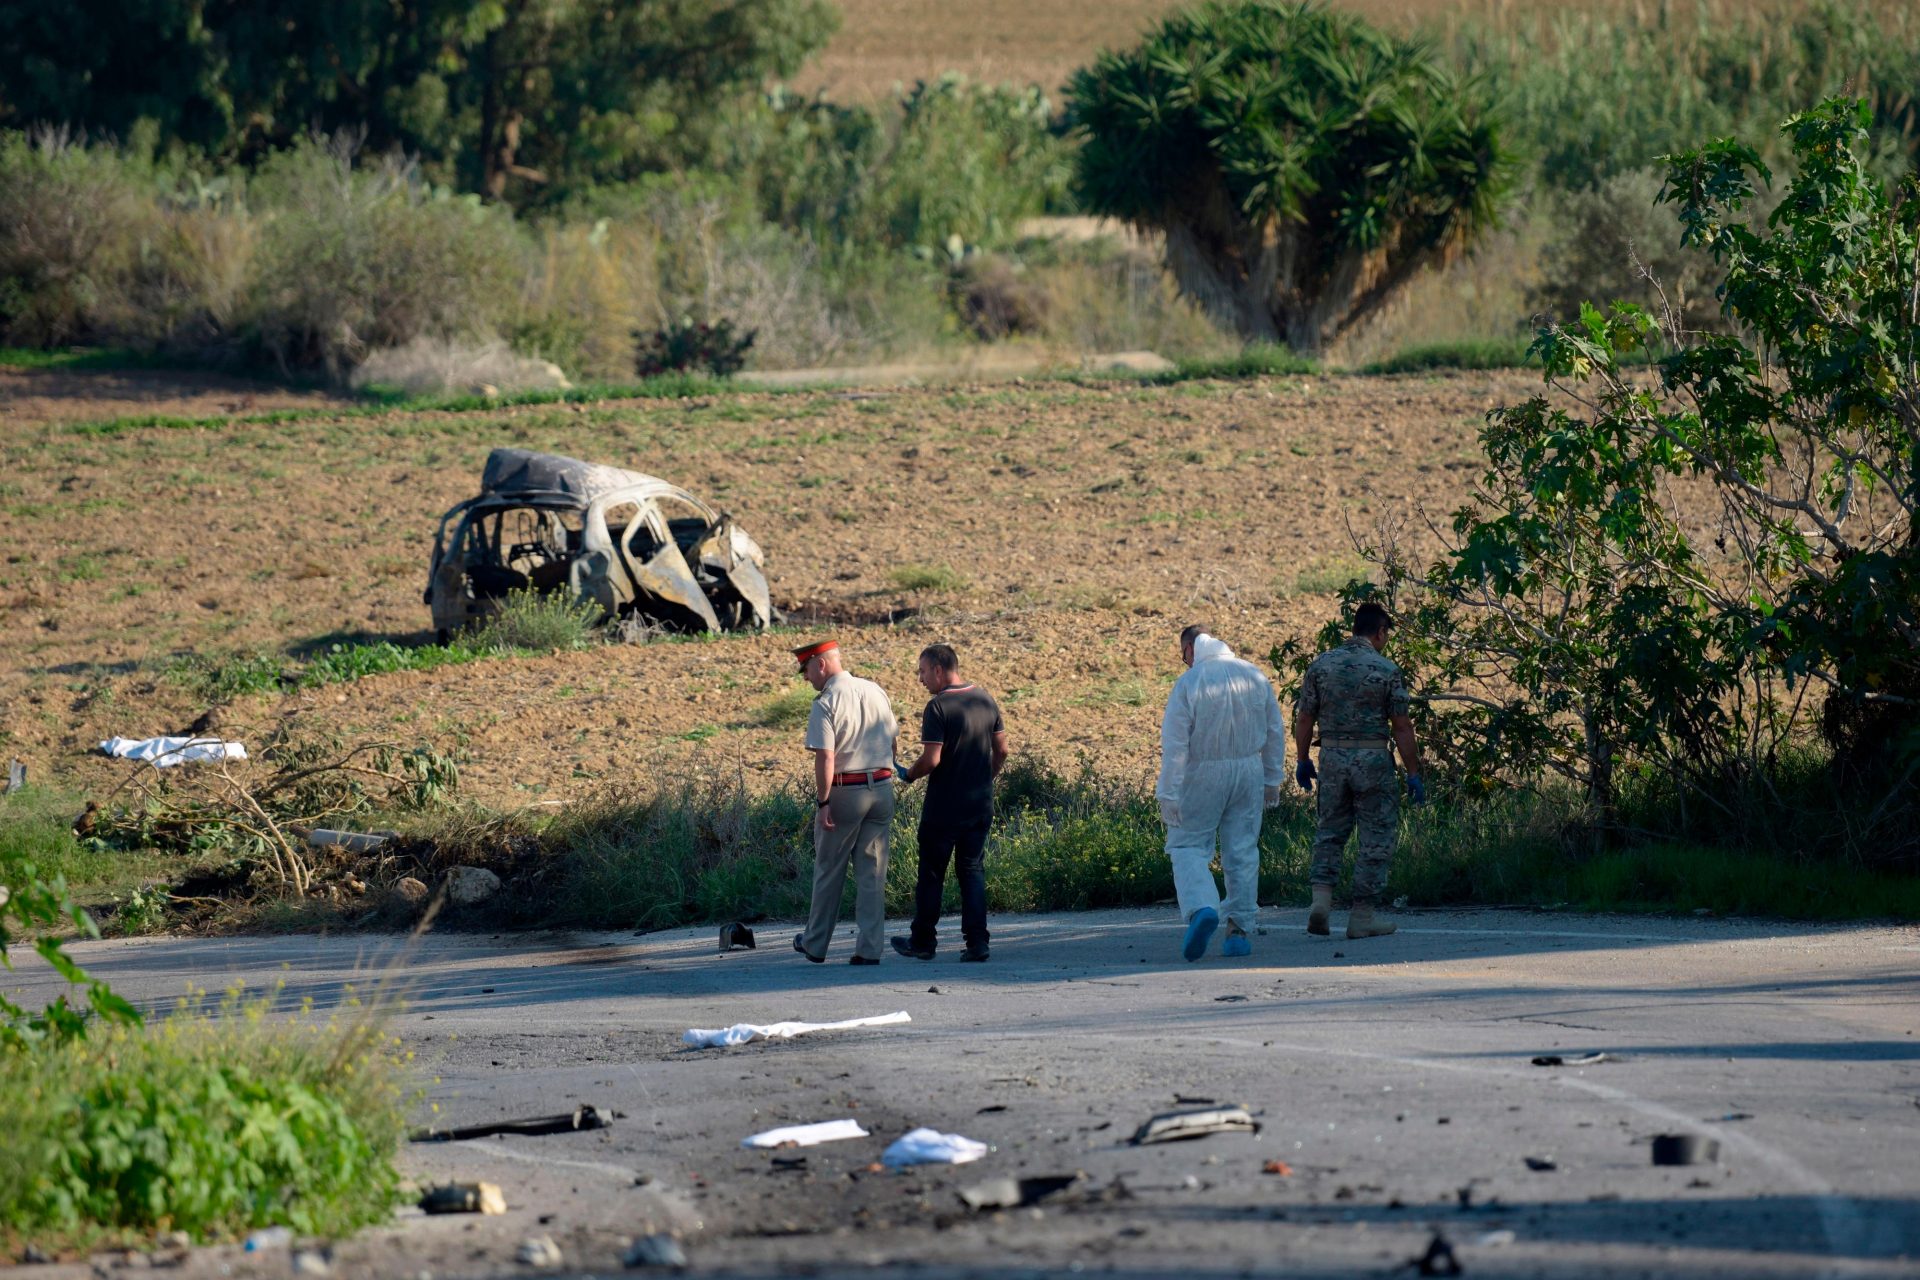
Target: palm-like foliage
[{"x": 1302, "y": 164}]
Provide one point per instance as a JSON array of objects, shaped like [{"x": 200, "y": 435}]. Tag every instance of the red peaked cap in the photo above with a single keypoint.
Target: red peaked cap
[{"x": 809, "y": 651}]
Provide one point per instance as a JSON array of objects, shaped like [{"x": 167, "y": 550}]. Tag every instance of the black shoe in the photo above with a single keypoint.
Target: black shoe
[
  {"x": 906, "y": 948},
  {"x": 863, "y": 960},
  {"x": 974, "y": 955},
  {"x": 803, "y": 951}
]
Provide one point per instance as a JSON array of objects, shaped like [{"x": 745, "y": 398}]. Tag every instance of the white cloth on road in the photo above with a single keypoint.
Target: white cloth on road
[
  {"x": 166, "y": 752},
  {"x": 806, "y": 1135},
  {"x": 1222, "y": 744},
  {"x": 930, "y": 1146},
  {"x": 741, "y": 1032}
]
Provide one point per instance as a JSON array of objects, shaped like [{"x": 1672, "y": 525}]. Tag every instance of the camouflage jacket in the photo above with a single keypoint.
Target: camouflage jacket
[{"x": 1351, "y": 691}]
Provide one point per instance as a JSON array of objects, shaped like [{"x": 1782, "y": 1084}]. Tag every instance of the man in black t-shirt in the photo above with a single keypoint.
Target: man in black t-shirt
[{"x": 963, "y": 745}]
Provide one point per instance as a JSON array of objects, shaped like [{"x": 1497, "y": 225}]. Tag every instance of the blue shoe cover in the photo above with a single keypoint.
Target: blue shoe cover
[
  {"x": 1236, "y": 944},
  {"x": 1200, "y": 933}
]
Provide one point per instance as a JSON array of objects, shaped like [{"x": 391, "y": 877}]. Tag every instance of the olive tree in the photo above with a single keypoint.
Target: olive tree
[{"x": 1302, "y": 164}]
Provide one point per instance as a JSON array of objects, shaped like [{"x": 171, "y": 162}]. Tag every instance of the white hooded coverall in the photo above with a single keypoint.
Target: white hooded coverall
[{"x": 1222, "y": 743}]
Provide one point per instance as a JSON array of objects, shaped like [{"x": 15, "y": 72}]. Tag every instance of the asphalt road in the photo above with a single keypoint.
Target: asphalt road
[{"x": 1392, "y": 1076}]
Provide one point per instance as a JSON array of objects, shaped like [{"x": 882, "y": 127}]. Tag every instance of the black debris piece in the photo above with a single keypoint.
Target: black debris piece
[
  {"x": 1438, "y": 1260},
  {"x": 581, "y": 1117},
  {"x": 1684, "y": 1148},
  {"x": 1229, "y": 999},
  {"x": 1541, "y": 1164},
  {"x": 1579, "y": 1060},
  {"x": 788, "y": 1164},
  {"x": 734, "y": 934},
  {"x": 989, "y": 1110},
  {"x": 1178, "y": 1126},
  {"x": 463, "y": 1197}
]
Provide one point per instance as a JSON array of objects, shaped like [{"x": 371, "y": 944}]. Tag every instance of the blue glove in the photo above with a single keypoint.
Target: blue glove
[
  {"x": 1417, "y": 789},
  {"x": 1304, "y": 773}
]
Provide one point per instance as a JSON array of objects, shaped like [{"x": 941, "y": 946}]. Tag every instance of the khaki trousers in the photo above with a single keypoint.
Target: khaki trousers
[{"x": 862, "y": 826}]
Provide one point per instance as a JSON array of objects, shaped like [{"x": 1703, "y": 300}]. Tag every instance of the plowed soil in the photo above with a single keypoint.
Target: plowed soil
[{"x": 1078, "y": 527}]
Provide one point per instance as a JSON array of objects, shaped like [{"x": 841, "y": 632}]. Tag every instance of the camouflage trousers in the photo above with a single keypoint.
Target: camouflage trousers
[{"x": 1357, "y": 788}]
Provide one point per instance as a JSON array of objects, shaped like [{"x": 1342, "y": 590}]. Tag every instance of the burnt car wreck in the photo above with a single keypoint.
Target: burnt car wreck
[{"x": 633, "y": 544}]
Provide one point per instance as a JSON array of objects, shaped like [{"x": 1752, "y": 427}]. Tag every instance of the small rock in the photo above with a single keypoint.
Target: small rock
[
  {"x": 173, "y": 1240},
  {"x": 539, "y": 1251},
  {"x": 34, "y": 1256},
  {"x": 411, "y": 890},
  {"x": 655, "y": 1251},
  {"x": 312, "y": 1262},
  {"x": 468, "y": 885}
]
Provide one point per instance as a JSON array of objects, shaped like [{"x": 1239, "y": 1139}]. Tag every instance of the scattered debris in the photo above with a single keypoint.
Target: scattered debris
[
  {"x": 469, "y": 885},
  {"x": 930, "y": 1146},
  {"x": 268, "y": 1238},
  {"x": 1229, "y": 999},
  {"x": 312, "y": 1262},
  {"x": 1735, "y": 1115},
  {"x": 1178, "y": 1126},
  {"x": 166, "y": 752},
  {"x": 991, "y": 1109},
  {"x": 655, "y": 1251},
  {"x": 539, "y": 1251},
  {"x": 788, "y": 1164},
  {"x": 1493, "y": 1239},
  {"x": 741, "y": 1032},
  {"x": 1280, "y": 1167},
  {"x": 1438, "y": 1260},
  {"x": 16, "y": 776},
  {"x": 734, "y": 934},
  {"x": 634, "y": 545},
  {"x": 351, "y": 841},
  {"x": 1684, "y": 1148},
  {"x": 1541, "y": 1164},
  {"x": 464, "y": 1197},
  {"x": 1557, "y": 1060},
  {"x": 806, "y": 1135},
  {"x": 581, "y": 1117},
  {"x": 1016, "y": 1193}
]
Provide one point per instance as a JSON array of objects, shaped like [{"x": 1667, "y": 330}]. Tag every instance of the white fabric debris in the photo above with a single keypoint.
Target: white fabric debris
[
  {"x": 741, "y": 1032},
  {"x": 167, "y": 752},
  {"x": 806, "y": 1135},
  {"x": 930, "y": 1146}
]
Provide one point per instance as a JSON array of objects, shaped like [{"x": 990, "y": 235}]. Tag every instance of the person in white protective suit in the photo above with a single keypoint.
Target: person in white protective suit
[{"x": 1222, "y": 760}]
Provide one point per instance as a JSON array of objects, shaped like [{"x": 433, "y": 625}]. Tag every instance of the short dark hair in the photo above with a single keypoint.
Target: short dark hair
[
  {"x": 1370, "y": 619},
  {"x": 1193, "y": 633},
  {"x": 942, "y": 656}
]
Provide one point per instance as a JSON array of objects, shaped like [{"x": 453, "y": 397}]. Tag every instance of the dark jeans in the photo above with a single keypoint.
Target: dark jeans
[{"x": 964, "y": 844}]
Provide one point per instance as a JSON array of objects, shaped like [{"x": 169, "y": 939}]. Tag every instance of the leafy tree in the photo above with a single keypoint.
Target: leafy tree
[
  {"x": 1302, "y": 164},
  {"x": 512, "y": 97},
  {"x": 1676, "y": 575}
]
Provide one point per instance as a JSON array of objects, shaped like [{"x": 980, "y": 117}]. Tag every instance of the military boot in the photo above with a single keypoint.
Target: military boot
[
  {"x": 1322, "y": 908},
  {"x": 1361, "y": 924}
]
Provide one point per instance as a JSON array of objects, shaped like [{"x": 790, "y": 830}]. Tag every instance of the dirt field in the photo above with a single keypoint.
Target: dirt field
[
  {"x": 883, "y": 43},
  {"x": 1086, "y": 522}
]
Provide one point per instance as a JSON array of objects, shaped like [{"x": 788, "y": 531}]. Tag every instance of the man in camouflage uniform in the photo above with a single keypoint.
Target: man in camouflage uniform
[{"x": 1354, "y": 695}]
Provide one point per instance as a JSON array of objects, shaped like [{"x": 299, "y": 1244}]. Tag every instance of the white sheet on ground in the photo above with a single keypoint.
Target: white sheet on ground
[
  {"x": 930, "y": 1146},
  {"x": 741, "y": 1032},
  {"x": 806, "y": 1135},
  {"x": 166, "y": 752}
]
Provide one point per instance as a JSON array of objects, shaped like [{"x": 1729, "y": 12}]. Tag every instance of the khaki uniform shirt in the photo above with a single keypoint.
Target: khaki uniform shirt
[
  {"x": 852, "y": 718},
  {"x": 1352, "y": 691}
]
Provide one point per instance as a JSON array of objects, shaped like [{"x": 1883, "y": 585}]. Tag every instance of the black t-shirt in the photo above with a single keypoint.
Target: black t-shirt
[{"x": 963, "y": 720}]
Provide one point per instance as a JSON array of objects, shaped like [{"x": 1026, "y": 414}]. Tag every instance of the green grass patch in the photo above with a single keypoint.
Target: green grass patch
[
  {"x": 213, "y": 1122},
  {"x": 1471, "y": 353},
  {"x": 36, "y": 826},
  {"x": 80, "y": 359},
  {"x": 787, "y": 710},
  {"x": 1323, "y": 575},
  {"x": 926, "y": 577}
]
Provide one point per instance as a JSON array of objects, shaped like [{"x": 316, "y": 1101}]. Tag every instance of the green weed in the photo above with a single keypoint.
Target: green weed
[
  {"x": 787, "y": 710},
  {"x": 926, "y": 577}
]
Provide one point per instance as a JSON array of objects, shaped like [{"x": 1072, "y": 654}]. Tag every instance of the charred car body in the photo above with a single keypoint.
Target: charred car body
[{"x": 633, "y": 544}]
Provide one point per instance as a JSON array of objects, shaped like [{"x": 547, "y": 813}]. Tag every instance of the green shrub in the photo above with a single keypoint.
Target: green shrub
[
  {"x": 209, "y": 1123},
  {"x": 926, "y": 577},
  {"x": 1470, "y": 353},
  {"x": 356, "y": 257},
  {"x": 72, "y": 219},
  {"x": 699, "y": 346},
  {"x": 530, "y": 622}
]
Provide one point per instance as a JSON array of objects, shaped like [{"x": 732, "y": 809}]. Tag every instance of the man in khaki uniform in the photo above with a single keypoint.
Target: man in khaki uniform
[
  {"x": 1355, "y": 695},
  {"x": 851, "y": 733}
]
